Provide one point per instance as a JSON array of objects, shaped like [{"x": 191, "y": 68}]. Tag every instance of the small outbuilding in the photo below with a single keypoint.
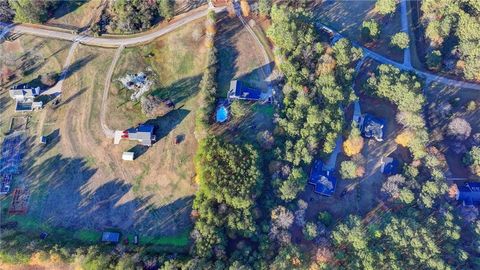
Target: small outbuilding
[
  {"x": 468, "y": 193},
  {"x": 372, "y": 127},
  {"x": 111, "y": 237},
  {"x": 324, "y": 182},
  {"x": 128, "y": 156},
  {"x": 390, "y": 166},
  {"x": 43, "y": 140}
]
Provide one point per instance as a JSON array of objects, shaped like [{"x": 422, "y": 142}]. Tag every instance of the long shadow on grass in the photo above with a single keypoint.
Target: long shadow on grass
[
  {"x": 65, "y": 194},
  {"x": 67, "y": 7},
  {"x": 179, "y": 91},
  {"x": 227, "y": 52}
]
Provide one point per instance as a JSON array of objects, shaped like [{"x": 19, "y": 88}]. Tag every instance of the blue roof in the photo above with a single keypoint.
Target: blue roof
[
  {"x": 113, "y": 237},
  {"x": 391, "y": 168},
  {"x": 145, "y": 128},
  {"x": 469, "y": 193},
  {"x": 244, "y": 92},
  {"x": 323, "y": 181}
]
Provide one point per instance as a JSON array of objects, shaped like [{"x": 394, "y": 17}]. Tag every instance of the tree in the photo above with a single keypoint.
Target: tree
[
  {"x": 385, "y": 7},
  {"x": 282, "y": 218},
  {"x": 325, "y": 218},
  {"x": 348, "y": 170},
  {"x": 459, "y": 129},
  {"x": 310, "y": 231},
  {"x": 392, "y": 185},
  {"x": 245, "y": 7},
  {"x": 370, "y": 30},
  {"x": 49, "y": 79},
  {"x": 434, "y": 60},
  {"x": 264, "y": 6},
  {"x": 472, "y": 159},
  {"x": 354, "y": 144},
  {"x": 294, "y": 184},
  {"x": 6, "y": 12},
  {"x": 400, "y": 40},
  {"x": 27, "y": 11},
  {"x": 153, "y": 106},
  {"x": 166, "y": 9},
  {"x": 404, "y": 138},
  {"x": 238, "y": 109}
]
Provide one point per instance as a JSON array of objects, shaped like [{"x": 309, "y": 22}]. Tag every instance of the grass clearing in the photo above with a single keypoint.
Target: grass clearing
[
  {"x": 347, "y": 18},
  {"x": 74, "y": 14}
]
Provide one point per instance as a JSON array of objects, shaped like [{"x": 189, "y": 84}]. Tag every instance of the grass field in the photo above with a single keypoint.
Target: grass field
[
  {"x": 176, "y": 62},
  {"x": 347, "y": 18},
  {"x": 439, "y": 95},
  {"x": 74, "y": 14}
]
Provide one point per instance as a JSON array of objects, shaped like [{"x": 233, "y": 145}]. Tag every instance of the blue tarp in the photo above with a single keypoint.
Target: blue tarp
[
  {"x": 112, "y": 237},
  {"x": 222, "y": 114}
]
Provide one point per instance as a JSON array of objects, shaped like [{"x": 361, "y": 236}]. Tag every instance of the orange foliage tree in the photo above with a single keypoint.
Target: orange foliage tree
[
  {"x": 404, "y": 138},
  {"x": 245, "y": 8},
  {"x": 354, "y": 144}
]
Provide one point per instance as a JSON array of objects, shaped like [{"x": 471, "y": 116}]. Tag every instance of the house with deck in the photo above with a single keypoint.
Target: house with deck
[
  {"x": 372, "y": 127},
  {"x": 323, "y": 182},
  {"x": 239, "y": 90},
  {"x": 24, "y": 96}
]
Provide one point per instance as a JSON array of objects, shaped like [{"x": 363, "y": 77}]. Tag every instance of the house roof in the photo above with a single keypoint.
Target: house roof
[
  {"x": 142, "y": 133},
  {"x": 239, "y": 90},
  {"x": 323, "y": 181},
  {"x": 24, "y": 91},
  {"x": 113, "y": 237},
  {"x": 372, "y": 127},
  {"x": 469, "y": 193}
]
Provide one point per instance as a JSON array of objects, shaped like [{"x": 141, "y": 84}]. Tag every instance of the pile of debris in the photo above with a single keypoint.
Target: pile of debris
[
  {"x": 154, "y": 107},
  {"x": 138, "y": 83}
]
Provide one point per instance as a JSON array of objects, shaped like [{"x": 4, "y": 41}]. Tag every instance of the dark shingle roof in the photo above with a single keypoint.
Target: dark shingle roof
[
  {"x": 241, "y": 91},
  {"x": 469, "y": 193},
  {"x": 372, "y": 128},
  {"x": 323, "y": 181}
]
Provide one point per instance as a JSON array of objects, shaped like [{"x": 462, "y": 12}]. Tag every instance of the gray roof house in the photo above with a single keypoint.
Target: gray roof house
[
  {"x": 143, "y": 134},
  {"x": 372, "y": 127}
]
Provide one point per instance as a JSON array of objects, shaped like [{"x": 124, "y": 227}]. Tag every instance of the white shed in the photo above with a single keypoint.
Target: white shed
[{"x": 128, "y": 156}]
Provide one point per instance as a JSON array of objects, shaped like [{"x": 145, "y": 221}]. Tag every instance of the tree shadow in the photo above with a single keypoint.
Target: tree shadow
[
  {"x": 67, "y": 7},
  {"x": 227, "y": 52},
  {"x": 74, "y": 96},
  {"x": 77, "y": 65},
  {"x": 179, "y": 91}
]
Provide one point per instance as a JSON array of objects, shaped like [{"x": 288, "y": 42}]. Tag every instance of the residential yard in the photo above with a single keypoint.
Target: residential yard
[
  {"x": 445, "y": 104},
  {"x": 80, "y": 186},
  {"x": 175, "y": 62},
  {"x": 362, "y": 195},
  {"x": 347, "y": 18},
  {"x": 24, "y": 59},
  {"x": 239, "y": 56}
]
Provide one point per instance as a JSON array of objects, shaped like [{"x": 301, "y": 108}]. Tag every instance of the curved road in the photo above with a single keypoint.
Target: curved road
[{"x": 105, "y": 41}]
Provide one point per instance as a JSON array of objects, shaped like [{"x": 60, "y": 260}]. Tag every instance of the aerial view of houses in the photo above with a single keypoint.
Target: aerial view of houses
[{"x": 239, "y": 134}]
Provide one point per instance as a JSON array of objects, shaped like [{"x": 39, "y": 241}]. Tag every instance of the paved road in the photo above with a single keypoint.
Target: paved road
[
  {"x": 429, "y": 77},
  {"x": 407, "y": 59},
  {"x": 111, "y": 42}
]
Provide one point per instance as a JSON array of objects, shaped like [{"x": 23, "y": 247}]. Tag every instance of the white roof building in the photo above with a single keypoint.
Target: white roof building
[{"x": 128, "y": 156}]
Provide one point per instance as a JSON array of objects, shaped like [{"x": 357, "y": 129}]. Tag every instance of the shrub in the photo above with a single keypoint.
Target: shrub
[
  {"x": 385, "y": 7},
  {"x": 404, "y": 138},
  {"x": 310, "y": 231},
  {"x": 348, "y": 169},
  {"x": 434, "y": 60},
  {"x": 370, "y": 30},
  {"x": 325, "y": 218},
  {"x": 471, "y": 106},
  {"x": 400, "y": 40},
  {"x": 238, "y": 109},
  {"x": 472, "y": 159}
]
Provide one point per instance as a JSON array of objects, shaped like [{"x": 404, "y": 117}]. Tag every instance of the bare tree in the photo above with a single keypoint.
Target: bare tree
[
  {"x": 392, "y": 185},
  {"x": 459, "y": 128}
]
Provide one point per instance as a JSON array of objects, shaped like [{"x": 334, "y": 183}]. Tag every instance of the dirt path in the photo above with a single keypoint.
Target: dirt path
[
  {"x": 109, "y": 133},
  {"x": 57, "y": 89}
]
